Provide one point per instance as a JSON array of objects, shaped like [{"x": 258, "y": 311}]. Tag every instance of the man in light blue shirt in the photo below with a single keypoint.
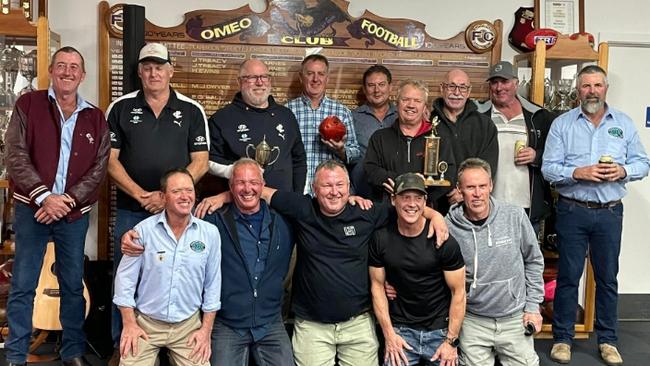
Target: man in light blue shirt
[
  {"x": 161, "y": 293},
  {"x": 591, "y": 153}
]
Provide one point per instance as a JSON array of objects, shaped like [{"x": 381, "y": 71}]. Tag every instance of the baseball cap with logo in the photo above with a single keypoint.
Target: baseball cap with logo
[
  {"x": 409, "y": 182},
  {"x": 502, "y": 70},
  {"x": 155, "y": 52}
]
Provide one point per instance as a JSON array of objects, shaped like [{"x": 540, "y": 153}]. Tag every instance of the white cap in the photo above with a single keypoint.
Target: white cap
[{"x": 155, "y": 52}]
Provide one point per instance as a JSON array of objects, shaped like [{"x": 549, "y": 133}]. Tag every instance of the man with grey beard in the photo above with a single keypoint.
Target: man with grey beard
[
  {"x": 591, "y": 152},
  {"x": 253, "y": 117}
]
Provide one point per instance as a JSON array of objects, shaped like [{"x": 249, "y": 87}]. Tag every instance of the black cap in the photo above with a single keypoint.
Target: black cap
[{"x": 503, "y": 70}]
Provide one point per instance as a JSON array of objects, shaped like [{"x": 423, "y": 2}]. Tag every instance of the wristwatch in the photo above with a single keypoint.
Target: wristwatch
[{"x": 454, "y": 342}]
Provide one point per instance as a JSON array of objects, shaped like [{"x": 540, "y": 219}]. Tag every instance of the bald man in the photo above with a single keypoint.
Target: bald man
[
  {"x": 471, "y": 134},
  {"x": 254, "y": 116}
]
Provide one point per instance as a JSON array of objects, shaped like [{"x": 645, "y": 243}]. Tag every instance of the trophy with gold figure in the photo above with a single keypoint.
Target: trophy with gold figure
[
  {"x": 263, "y": 153},
  {"x": 433, "y": 166}
]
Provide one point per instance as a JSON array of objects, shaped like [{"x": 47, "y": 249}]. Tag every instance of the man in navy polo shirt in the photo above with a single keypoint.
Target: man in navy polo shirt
[{"x": 152, "y": 130}]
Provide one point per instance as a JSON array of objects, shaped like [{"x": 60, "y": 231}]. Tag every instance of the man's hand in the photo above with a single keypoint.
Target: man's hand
[
  {"x": 200, "y": 343},
  {"x": 600, "y": 172},
  {"x": 129, "y": 339},
  {"x": 53, "y": 208},
  {"x": 525, "y": 156},
  {"x": 535, "y": 319},
  {"x": 364, "y": 204},
  {"x": 454, "y": 196},
  {"x": 129, "y": 244},
  {"x": 211, "y": 204},
  {"x": 391, "y": 293},
  {"x": 389, "y": 186},
  {"x": 438, "y": 226},
  {"x": 152, "y": 201},
  {"x": 447, "y": 355},
  {"x": 394, "y": 354},
  {"x": 337, "y": 146}
]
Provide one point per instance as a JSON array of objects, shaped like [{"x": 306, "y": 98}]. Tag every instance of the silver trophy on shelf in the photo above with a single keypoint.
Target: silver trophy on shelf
[
  {"x": 563, "y": 93},
  {"x": 10, "y": 58},
  {"x": 28, "y": 70},
  {"x": 549, "y": 93}
]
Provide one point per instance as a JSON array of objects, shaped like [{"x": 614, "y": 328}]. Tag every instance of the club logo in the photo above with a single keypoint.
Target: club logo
[
  {"x": 197, "y": 246},
  {"x": 616, "y": 132},
  {"x": 349, "y": 230}
]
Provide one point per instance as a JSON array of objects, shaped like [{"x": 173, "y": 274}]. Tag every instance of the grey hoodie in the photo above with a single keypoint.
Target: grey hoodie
[{"x": 503, "y": 261}]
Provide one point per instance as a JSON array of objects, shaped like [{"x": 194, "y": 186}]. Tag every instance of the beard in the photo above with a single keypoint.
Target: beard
[
  {"x": 256, "y": 100},
  {"x": 592, "y": 105}
]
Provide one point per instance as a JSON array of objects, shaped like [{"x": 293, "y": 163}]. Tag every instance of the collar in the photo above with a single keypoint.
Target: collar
[
  {"x": 162, "y": 219},
  {"x": 81, "y": 102},
  {"x": 237, "y": 214},
  {"x": 306, "y": 101},
  {"x": 365, "y": 108},
  {"x": 608, "y": 114},
  {"x": 172, "y": 102}
]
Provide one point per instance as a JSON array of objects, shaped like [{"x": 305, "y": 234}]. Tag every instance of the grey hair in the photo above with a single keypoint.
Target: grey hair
[
  {"x": 330, "y": 165},
  {"x": 473, "y": 163},
  {"x": 418, "y": 84},
  {"x": 244, "y": 162},
  {"x": 591, "y": 69}
]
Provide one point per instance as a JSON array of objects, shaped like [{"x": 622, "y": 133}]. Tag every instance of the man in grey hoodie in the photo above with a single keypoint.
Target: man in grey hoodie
[{"x": 504, "y": 268}]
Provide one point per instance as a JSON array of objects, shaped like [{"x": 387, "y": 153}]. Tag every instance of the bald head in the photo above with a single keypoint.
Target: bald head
[{"x": 455, "y": 91}]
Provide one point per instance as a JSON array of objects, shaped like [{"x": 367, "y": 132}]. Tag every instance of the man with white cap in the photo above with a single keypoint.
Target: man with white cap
[{"x": 152, "y": 130}]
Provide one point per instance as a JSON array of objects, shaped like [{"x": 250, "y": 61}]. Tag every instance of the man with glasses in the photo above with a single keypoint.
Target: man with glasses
[
  {"x": 377, "y": 112},
  {"x": 253, "y": 117},
  {"x": 519, "y": 178},
  {"x": 311, "y": 108},
  {"x": 400, "y": 148},
  {"x": 470, "y": 133}
]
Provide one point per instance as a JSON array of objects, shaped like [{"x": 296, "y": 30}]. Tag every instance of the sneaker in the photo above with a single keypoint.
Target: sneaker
[
  {"x": 610, "y": 354},
  {"x": 561, "y": 353}
]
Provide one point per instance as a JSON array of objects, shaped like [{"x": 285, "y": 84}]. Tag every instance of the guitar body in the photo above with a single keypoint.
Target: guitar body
[{"x": 47, "y": 301}]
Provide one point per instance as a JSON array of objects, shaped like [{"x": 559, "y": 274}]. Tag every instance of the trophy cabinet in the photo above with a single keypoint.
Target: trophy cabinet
[{"x": 553, "y": 69}]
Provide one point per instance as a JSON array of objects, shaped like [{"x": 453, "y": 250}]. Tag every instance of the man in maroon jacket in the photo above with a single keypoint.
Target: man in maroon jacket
[{"x": 57, "y": 153}]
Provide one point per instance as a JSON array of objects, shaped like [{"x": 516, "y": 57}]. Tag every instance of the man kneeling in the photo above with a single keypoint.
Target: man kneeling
[
  {"x": 423, "y": 322},
  {"x": 160, "y": 293}
]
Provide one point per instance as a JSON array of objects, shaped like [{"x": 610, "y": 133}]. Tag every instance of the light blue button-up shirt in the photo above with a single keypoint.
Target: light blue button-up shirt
[
  {"x": 574, "y": 142},
  {"x": 67, "y": 130},
  {"x": 172, "y": 279}
]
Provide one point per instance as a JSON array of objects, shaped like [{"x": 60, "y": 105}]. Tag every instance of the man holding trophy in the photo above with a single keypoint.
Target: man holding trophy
[
  {"x": 410, "y": 145},
  {"x": 255, "y": 126}
]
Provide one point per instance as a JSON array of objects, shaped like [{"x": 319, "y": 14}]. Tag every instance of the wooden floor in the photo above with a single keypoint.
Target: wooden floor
[{"x": 634, "y": 345}]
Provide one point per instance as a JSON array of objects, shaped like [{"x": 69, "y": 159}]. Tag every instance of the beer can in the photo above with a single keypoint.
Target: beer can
[
  {"x": 519, "y": 144},
  {"x": 606, "y": 159}
]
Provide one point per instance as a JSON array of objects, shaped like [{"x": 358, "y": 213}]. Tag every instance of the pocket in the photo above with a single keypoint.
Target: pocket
[{"x": 616, "y": 211}]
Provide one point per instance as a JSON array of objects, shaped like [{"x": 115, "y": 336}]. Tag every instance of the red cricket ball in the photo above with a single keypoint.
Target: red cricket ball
[{"x": 331, "y": 128}]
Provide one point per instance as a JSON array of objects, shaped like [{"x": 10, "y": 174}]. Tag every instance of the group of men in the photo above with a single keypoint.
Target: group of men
[{"x": 216, "y": 285}]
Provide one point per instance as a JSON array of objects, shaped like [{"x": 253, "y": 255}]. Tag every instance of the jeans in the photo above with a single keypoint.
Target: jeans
[
  {"x": 124, "y": 221},
  {"x": 598, "y": 232},
  {"x": 31, "y": 241},
  {"x": 425, "y": 343},
  {"x": 231, "y": 348}
]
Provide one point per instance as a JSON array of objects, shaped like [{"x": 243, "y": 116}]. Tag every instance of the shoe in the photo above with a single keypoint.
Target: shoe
[
  {"x": 77, "y": 361},
  {"x": 610, "y": 354},
  {"x": 561, "y": 353}
]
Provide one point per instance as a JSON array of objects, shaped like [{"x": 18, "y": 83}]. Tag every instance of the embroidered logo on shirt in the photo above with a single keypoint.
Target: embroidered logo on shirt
[
  {"x": 200, "y": 140},
  {"x": 136, "y": 111},
  {"x": 349, "y": 231},
  {"x": 197, "y": 246},
  {"x": 135, "y": 120},
  {"x": 178, "y": 115},
  {"x": 244, "y": 137},
  {"x": 616, "y": 132},
  {"x": 280, "y": 129},
  {"x": 242, "y": 128},
  {"x": 113, "y": 137},
  {"x": 90, "y": 138}
]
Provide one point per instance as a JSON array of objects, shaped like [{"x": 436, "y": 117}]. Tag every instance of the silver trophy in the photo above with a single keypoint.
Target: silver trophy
[
  {"x": 263, "y": 153},
  {"x": 10, "y": 57},
  {"x": 563, "y": 90},
  {"x": 549, "y": 93},
  {"x": 28, "y": 70}
]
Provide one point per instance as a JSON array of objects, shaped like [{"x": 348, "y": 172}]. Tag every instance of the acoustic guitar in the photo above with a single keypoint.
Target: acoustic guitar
[{"x": 47, "y": 302}]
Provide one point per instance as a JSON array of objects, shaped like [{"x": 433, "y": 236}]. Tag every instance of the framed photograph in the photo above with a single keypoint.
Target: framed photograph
[{"x": 565, "y": 16}]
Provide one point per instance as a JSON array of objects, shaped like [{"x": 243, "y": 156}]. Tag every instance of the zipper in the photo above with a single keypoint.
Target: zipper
[{"x": 408, "y": 149}]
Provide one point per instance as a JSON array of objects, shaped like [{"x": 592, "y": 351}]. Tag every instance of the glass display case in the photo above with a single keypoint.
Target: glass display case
[{"x": 552, "y": 85}]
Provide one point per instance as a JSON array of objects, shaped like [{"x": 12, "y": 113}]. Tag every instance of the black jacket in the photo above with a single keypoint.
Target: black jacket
[
  {"x": 236, "y": 126},
  {"x": 538, "y": 122},
  {"x": 391, "y": 153},
  {"x": 473, "y": 135}
]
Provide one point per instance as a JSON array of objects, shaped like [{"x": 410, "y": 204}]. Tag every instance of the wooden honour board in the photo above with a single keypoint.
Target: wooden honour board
[{"x": 208, "y": 46}]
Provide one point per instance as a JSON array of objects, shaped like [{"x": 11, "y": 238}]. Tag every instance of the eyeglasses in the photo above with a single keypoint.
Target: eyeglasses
[
  {"x": 254, "y": 78},
  {"x": 454, "y": 87}
]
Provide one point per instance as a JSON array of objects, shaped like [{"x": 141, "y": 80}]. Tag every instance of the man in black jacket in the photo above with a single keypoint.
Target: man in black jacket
[
  {"x": 519, "y": 178},
  {"x": 253, "y": 117},
  {"x": 470, "y": 133}
]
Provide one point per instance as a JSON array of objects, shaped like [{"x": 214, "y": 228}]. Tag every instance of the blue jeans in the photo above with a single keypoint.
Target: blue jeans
[
  {"x": 425, "y": 343},
  {"x": 31, "y": 241},
  {"x": 231, "y": 348},
  {"x": 124, "y": 221},
  {"x": 599, "y": 231}
]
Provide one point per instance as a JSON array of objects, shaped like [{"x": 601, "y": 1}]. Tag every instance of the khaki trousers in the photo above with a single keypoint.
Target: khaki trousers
[{"x": 173, "y": 336}]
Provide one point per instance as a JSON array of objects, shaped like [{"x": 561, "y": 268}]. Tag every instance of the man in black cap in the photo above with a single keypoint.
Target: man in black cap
[
  {"x": 423, "y": 322},
  {"x": 519, "y": 123},
  {"x": 152, "y": 130}
]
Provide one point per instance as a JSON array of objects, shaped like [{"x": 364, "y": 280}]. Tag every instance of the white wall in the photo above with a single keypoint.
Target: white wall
[{"x": 76, "y": 22}]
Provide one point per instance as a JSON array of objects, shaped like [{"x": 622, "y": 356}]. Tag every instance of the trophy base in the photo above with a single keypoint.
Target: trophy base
[{"x": 430, "y": 182}]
